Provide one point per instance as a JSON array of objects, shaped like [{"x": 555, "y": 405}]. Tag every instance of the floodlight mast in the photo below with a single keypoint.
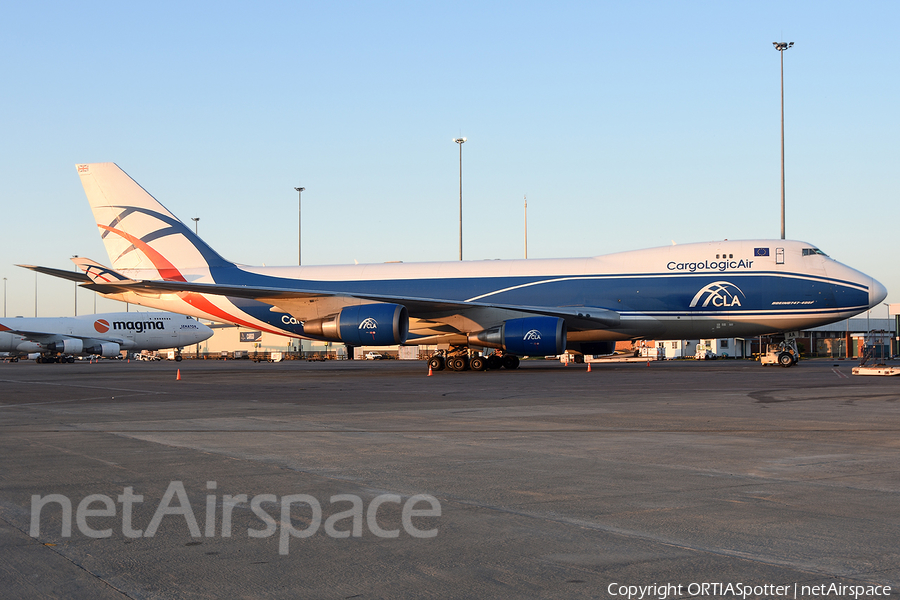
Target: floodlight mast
[
  {"x": 781, "y": 47},
  {"x": 460, "y": 141}
]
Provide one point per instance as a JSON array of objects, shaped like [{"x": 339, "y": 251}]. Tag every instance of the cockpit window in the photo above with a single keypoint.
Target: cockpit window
[{"x": 812, "y": 252}]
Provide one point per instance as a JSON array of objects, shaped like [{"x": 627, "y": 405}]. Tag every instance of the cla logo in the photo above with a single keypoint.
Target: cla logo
[
  {"x": 719, "y": 294},
  {"x": 101, "y": 325},
  {"x": 369, "y": 324},
  {"x": 534, "y": 334}
]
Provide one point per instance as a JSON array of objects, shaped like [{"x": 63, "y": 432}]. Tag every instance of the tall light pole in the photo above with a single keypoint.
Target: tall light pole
[
  {"x": 460, "y": 141},
  {"x": 300, "y": 191},
  {"x": 76, "y": 288},
  {"x": 526, "y": 226},
  {"x": 781, "y": 47},
  {"x": 4, "y": 297}
]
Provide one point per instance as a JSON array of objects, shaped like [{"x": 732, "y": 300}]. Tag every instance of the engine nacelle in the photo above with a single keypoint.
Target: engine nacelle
[
  {"x": 531, "y": 336},
  {"x": 363, "y": 325},
  {"x": 8, "y": 341},
  {"x": 107, "y": 349},
  {"x": 28, "y": 346},
  {"x": 67, "y": 346}
]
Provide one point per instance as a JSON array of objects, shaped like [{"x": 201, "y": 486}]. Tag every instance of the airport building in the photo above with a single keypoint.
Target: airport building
[{"x": 844, "y": 339}]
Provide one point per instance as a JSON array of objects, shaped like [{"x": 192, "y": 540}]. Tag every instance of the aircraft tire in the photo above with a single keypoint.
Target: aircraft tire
[
  {"x": 494, "y": 362},
  {"x": 70, "y": 359},
  {"x": 458, "y": 363},
  {"x": 436, "y": 363},
  {"x": 785, "y": 359},
  {"x": 510, "y": 362},
  {"x": 177, "y": 358},
  {"x": 478, "y": 364}
]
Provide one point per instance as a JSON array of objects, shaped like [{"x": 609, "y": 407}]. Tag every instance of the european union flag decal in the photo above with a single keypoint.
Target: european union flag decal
[{"x": 760, "y": 252}]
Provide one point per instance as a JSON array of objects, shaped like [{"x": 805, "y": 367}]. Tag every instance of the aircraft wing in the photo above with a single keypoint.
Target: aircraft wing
[
  {"x": 576, "y": 317},
  {"x": 46, "y": 337},
  {"x": 111, "y": 282},
  {"x": 34, "y": 336}
]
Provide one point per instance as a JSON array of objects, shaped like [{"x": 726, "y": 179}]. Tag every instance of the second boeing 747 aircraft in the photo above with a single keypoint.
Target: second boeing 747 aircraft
[
  {"x": 517, "y": 307},
  {"x": 59, "y": 339}
]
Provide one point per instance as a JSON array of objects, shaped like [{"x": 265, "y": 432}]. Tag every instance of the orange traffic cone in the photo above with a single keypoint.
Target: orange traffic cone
[
  {"x": 429, "y": 371},
  {"x": 178, "y": 375},
  {"x": 589, "y": 368}
]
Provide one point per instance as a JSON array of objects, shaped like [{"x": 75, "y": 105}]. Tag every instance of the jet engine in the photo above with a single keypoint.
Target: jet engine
[
  {"x": 108, "y": 349},
  {"x": 67, "y": 346},
  {"x": 6, "y": 341},
  {"x": 363, "y": 325},
  {"x": 531, "y": 336}
]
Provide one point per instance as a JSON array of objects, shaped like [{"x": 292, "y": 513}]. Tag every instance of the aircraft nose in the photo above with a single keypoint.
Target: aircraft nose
[{"x": 877, "y": 293}]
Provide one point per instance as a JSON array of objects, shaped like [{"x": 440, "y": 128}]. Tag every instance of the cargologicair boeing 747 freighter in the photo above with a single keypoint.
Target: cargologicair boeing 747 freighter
[{"x": 518, "y": 307}]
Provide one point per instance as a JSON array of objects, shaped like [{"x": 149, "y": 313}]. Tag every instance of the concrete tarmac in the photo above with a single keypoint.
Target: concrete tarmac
[{"x": 550, "y": 481}]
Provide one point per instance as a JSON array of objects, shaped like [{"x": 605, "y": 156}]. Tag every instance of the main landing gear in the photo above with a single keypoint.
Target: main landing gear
[
  {"x": 457, "y": 359},
  {"x": 58, "y": 358}
]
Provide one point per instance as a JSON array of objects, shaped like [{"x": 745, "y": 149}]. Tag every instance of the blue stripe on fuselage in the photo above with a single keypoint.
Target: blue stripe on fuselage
[{"x": 645, "y": 293}]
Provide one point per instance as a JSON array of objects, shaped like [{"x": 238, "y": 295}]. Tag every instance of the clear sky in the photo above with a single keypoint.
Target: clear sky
[{"x": 627, "y": 124}]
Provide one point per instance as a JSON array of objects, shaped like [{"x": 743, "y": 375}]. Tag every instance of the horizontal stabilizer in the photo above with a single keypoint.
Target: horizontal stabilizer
[
  {"x": 98, "y": 273},
  {"x": 62, "y": 274}
]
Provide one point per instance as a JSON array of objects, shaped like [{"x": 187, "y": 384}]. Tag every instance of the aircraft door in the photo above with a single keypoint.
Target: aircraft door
[{"x": 779, "y": 256}]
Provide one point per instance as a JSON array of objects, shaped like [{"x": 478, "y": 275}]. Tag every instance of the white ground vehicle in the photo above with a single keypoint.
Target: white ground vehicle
[
  {"x": 704, "y": 353},
  {"x": 373, "y": 356},
  {"x": 783, "y": 353}
]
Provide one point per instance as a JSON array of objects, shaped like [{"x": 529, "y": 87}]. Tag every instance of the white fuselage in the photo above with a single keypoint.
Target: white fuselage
[
  {"x": 758, "y": 286},
  {"x": 133, "y": 331}
]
